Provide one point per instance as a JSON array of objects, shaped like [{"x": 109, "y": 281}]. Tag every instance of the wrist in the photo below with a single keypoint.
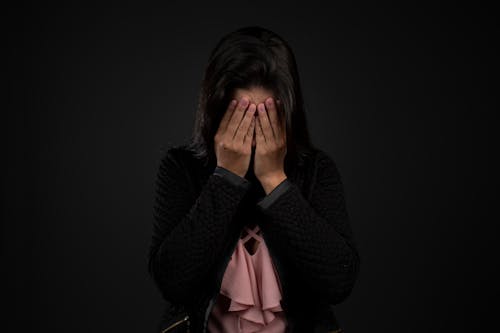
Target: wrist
[
  {"x": 271, "y": 182},
  {"x": 236, "y": 173}
]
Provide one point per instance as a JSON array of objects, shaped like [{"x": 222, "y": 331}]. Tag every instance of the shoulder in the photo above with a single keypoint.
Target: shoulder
[
  {"x": 324, "y": 158},
  {"x": 171, "y": 164},
  {"x": 305, "y": 164},
  {"x": 176, "y": 155},
  {"x": 324, "y": 164},
  {"x": 319, "y": 158}
]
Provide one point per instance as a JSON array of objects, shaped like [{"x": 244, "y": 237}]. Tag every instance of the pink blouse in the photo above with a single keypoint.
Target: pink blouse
[{"x": 250, "y": 294}]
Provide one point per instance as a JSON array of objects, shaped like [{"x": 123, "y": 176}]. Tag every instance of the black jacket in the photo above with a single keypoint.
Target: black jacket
[{"x": 199, "y": 213}]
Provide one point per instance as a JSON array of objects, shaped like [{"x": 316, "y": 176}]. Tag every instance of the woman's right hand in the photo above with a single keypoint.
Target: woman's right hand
[{"x": 233, "y": 140}]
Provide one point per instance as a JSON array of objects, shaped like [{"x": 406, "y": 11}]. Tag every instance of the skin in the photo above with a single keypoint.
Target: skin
[
  {"x": 258, "y": 120},
  {"x": 250, "y": 128}
]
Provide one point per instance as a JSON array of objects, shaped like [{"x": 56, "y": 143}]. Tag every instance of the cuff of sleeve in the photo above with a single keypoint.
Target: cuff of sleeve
[
  {"x": 231, "y": 177},
  {"x": 277, "y": 192}
]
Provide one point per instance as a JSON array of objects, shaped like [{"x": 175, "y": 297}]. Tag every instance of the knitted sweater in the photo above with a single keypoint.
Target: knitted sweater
[{"x": 200, "y": 211}]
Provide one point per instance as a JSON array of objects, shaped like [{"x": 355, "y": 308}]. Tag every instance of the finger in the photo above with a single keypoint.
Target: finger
[
  {"x": 227, "y": 115},
  {"x": 260, "y": 140},
  {"x": 251, "y": 128},
  {"x": 272, "y": 113},
  {"x": 243, "y": 128},
  {"x": 265, "y": 124},
  {"x": 238, "y": 114}
]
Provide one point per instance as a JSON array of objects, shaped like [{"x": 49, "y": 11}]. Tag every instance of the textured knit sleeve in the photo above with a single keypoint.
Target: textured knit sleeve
[
  {"x": 315, "y": 236},
  {"x": 188, "y": 231}
]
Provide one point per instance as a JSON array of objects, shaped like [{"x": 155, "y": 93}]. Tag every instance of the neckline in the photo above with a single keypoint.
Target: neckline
[
  {"x": 247, "y": 252},
  {"x": 258, "y": 239}
]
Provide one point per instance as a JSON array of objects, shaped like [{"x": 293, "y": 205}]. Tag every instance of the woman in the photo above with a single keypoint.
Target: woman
[{"x": 251, "y": 232}]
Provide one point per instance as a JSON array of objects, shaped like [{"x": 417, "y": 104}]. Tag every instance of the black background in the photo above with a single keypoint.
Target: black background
[{"x": 396, "y": 95}]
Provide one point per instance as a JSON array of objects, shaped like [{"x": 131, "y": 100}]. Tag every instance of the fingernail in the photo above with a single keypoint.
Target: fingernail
[{"x": 244, "y": 102}]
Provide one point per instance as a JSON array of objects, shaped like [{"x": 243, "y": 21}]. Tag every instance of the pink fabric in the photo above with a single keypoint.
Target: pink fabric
[{"x": 250, "y": 294}]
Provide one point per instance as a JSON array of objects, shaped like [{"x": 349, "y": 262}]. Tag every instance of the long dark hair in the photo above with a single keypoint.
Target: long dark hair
[{"x": 251, "y": 56}]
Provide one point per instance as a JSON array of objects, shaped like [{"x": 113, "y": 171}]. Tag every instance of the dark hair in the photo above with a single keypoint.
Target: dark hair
[{"x": 251, "y": 56}]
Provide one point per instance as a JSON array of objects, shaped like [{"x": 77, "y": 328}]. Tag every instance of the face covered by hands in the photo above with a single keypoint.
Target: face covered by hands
[
  {"x": 268, "y": 137},
  {"x": 270, "y": 145}
]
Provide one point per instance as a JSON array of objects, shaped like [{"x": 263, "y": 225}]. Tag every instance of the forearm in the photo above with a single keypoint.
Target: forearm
[
  {"x": 188, "y": 252},
  {"x": 326, "y": 260}
]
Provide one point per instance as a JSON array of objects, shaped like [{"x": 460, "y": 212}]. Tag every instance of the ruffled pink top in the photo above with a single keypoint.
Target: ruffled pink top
[{"x": 250, "y": 294}]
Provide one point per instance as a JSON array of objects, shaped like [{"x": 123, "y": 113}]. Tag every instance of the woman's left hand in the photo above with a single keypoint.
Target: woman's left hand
[{"x": 270, "y": 146}]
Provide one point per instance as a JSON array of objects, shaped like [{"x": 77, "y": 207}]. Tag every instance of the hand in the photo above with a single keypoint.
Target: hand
[
  {"x": 233, "y": 140},
  {"x": 270, "y": 150}
]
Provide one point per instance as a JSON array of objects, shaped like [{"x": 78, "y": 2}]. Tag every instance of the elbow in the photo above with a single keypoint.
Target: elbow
[
  {"x": 170, "y": 288},
  {"x": 342, "y": 284}
]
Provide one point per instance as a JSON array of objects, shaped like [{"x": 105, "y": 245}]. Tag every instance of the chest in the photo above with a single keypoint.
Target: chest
[{"x": 252, "y": 240}]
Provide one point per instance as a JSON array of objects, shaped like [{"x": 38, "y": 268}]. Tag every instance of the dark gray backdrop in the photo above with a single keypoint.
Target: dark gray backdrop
[{"x": 394, "y": 94}]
